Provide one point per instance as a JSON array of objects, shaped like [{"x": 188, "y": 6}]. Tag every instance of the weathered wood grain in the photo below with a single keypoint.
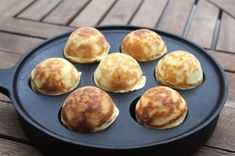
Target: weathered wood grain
[
  {"x": 7, "y": 59},
  {"x": 4, "y": 98},
  {"x": 65, "y": 12},
  {"x": 225, "y": 59},
  {"x": 7, "y": 4},
  {"x": 226, "y": 34},
  {"x": 224, "y": 134},
  {"x": 10, "y": 148},
  {"x": 93, "y": 13},
  {"x": 16, "y": 43},
  {"x": 10, "y": 125},
  {"x": 203, "y": 24},
  {"x": 121, "y": 13},
  {"x": 149, "y": 13},
  {"x": 10, "y": 8},
  {"x": 39, "y": 9},
  {"x": 176, "y": 16},
  {"x": 231, "y": 86},
  {"x": 227, "y": 5},
  {"x": 32, "y": 28},
  {"x": 207, "y": 151},
  {"x": 230, "y": 104}
]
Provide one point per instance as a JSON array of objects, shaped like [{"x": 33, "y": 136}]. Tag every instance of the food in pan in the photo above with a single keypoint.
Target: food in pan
[
  {"x": 161, "y": 107},
  {"x": 179, "y": 69},
  {"x": 119, "y": 73},
  {"x": 88, "y": 109},
  {"x": 143, "y": 45},
  {"x": 86, "y": 45},
  {"x": 54, "y": 76}
]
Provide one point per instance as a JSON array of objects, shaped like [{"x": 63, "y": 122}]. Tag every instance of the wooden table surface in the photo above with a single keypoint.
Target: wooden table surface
[{"x": 209, "y": 23}]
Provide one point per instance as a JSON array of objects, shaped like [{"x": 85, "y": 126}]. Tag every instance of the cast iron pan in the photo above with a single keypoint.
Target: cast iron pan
[{"x": 39, "y": 114}]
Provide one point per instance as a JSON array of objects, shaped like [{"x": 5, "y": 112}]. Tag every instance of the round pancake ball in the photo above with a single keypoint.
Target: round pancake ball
[
  {"x": 143, "y": 45},
  {"x": 86, "y": 45},
  {"x": 54, "y": 76},
  {"x": 161, "y": 107},
  {"x": 180, "y": 70},
  {"x": 119, "y": 73},
  {"x": 88, "y": 109}
]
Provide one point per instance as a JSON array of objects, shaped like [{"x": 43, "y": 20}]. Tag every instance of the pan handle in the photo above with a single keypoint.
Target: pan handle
[{"x": 5, "y": 80}]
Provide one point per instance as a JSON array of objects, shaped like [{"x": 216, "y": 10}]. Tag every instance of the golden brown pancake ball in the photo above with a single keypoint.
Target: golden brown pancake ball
[
  {"x": 179, "y": 69},
  {"x": 119, "y": 73},
  {"x": 161, "y": 107},
  {"x": 88, "y": 109},
  {"x": 54, "y": 76},
  {"x": 143, "y": 45},
  {"x": 86, "y": 45}
]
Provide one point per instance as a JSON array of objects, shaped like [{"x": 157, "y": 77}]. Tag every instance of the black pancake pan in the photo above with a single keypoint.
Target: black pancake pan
[{"x": 39, "y": 114}]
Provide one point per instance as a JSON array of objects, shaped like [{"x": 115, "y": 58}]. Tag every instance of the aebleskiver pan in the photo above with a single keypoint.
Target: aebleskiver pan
[{"x": 38, "y": 114}]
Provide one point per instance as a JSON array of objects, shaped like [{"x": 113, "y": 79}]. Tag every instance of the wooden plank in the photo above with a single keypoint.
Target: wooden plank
[
  {"x": 226, "y": 5},
  {"x": 176, "y": 16},
  {"x": 224, "y": 134},
  {"x": 32, "y": 28},
  {"x": 149, "y": 13},
  {"x": 7, "y": 4},
  {"x": 39, "y": 9},
  {"x": 10, "y": 125},
  {"x": 231, "y": 86},
  {"x": 92, "y": 13},
  {"x": 121, "y": 13},
  {"x": 225, "y": 59},
  {"x": 4, "y": 98},
  {"x": 17, "y": 43},
  {"x": 207, "y": 151},
  {"x": 226, "y": 35},
  {"x": 65, "y": 12},
  {"x": 12, "y": 7},
  {"x": 7, "y": 60},
  {"x": 8, "y": 148},
  {"x": 230, "y": 104},
  {"x": 203, "y": 24}
]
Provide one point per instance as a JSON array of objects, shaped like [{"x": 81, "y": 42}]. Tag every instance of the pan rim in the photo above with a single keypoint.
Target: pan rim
[{"x": 13, "y": 94}]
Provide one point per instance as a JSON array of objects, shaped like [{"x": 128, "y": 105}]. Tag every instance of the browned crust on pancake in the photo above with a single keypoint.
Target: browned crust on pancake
[
  {"x": 164, "y": 102},
  {"x": 86, "y": 32},
  {"x": 51, "y": 84},
  {"x": 86, "y": 51},
  {"x": 83, "y": 110},
  {"x": 182, "y": 85},
  {"x": 170, "y": 77},
  {"x": 120, "y": 78},
  {"x": 136, "y": 42}
]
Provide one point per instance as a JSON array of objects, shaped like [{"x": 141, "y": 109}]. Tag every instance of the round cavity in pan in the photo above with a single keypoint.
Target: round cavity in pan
[{"x": 132, "y": 107}]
